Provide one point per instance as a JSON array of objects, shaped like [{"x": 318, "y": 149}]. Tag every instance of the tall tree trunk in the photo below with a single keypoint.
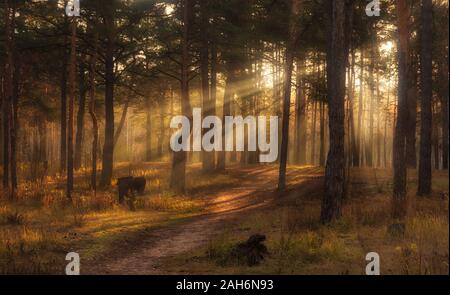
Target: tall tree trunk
[
  {"x": 339, "y": 20},
  {"x": 372, "y": 69},
  {"x": 322, "y": 135},
  {"x": 443, "y": 94},
  {"x": 300, "y": 119},
  {"x": 411, "y": 155},
  {"x": 378, "y": 133},
  {"x": 63, "y": 119},
  {"x": 360, "y": 111},
  {"x": 122, "y": 121},
  {"x": 72, "y": 79},
  {"x": 226, "y": 107},
  {"x": 14, "y": 125},
  {"x": 435, "y": 138},
  {"x": 214, "y": 57},
  {"x": 386, "y": 119},
  {"x": 313, "y": 132},
  {"x": 427, "y": 94},
  {"x": 178, "y": 175},
  {"x": 399, "y": 201},
  {"x": 148, "y": 130},
  {"x": 80, "y": 118},
  {"x": 207, "y": 107},
  {"x": 351, "y": 97},
  {"x": 108, "y": 146},
  {"x": 92, "y": 113},
  {"x": 161, "y": 129},
  {"x": 8, "y": 98},
  {"x": 287, "y": 93}
]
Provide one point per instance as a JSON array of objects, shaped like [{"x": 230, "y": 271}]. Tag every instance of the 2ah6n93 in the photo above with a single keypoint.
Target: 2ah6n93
[{"x": 246, "y": 285}]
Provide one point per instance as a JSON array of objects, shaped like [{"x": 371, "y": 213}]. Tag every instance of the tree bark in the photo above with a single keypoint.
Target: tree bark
[
  {"x": 351, "y": 97},
  {"x": 322, "y": 135},
  {"x": 161, "y": 129},
  {"x": 108, "y": 146},
  {"x": 178, "y": 175},
  {"x": 443, "y": 94},
  {"x": 399, "y": 200},
  {"x": 92, "y": 113},
  {"x": 360, "y": 111},
  {"x": 80, "y": 118},
  {"x": 122, "y": 121},
  {"x": 8, "y": 100},
  {"x": 339, "y": 16},
  {"x": 70, "y": 127},
  {"x": 214, "y": 57},
  {"x": 63, "y": 119},
  {"x": 313, "y": 132},
  {"x": 300, "y": 118},
  {"x": 148, "y": 130},
  {"x": 411, "y": 156},
  {"x": 427, "y": 95},
  {"x": 287, "y": 92},
  {"x": 207, "y": 107}
]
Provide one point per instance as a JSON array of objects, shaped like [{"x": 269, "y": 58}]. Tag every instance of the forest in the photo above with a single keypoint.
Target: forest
[{"x": 90, "y": 89}]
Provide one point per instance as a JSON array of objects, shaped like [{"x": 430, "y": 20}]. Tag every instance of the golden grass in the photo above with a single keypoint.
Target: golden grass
[
  {"x": 299, "y": 244},
  {"x": 41, "y": 227}
]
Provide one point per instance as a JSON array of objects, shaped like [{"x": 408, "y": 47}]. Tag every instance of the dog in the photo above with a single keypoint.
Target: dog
[{"x": 128, "y": 186}]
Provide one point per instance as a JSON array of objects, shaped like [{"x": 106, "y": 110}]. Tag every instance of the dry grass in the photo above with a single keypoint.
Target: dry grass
[
  {"x": 299, "y": 244},
  {"x": 41, "y": 227}
]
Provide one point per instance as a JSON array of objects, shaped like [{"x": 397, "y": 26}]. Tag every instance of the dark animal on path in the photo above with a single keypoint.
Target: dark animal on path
[
  {"x": 252, "y": 251},
  {"x": 139, "y": 184},
  {"x": 128, "y": 186}
]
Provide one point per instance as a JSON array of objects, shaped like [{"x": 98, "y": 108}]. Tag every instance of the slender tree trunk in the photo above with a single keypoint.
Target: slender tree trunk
[
  {"x": 14, "y": 125},
  {"x": 373, "y": 57},
  {"x": 72, "y": 79},
  {"x": 339, "y": 19},
  {"x": 148, "y": 130},
  {"x": 313, "y": 142},
  {"x": 178, "y": 176},
  {"x": 322, "y": 135},
  {"x": 300, "y": 119},
  {"x": 108, "y": 146},
  {"x": 8, "y": 98},
  {"x": 443, "y": 90},
  {"x": 214, "y": 57},
  {"x": 92, "y": 113},
  {"x": 351, "y": 97},
  {"x": 63, "y": 144},
  {"x": 161, "y": 129},
  {"x": 360, "y": 110},
  {"x": 122, "y": 121},
  {"x": 386, "y": 119},
  {"x": 435, "y": 138},
  {"x": 411, "y": 156},
  {"x": 80, "y": 119},
  {"x": 226, "y": 107},
  {"x": 427, "y": 94},
  {"x": 207, "y": 107},
  {"x": 287, "y": 93},
  {"x": 399, "y": 201}
]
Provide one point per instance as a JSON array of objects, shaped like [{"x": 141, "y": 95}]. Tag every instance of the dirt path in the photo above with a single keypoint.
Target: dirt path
[{"x": 255, "y": 190}]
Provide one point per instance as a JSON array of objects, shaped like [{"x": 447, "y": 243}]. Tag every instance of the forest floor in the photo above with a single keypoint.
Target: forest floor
[
  {"x": 224, "y": 206},
  {"x": 196, "y": 233}
]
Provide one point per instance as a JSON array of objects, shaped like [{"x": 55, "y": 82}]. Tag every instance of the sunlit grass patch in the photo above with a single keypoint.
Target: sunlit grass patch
[{"x": 168, "y": 202}]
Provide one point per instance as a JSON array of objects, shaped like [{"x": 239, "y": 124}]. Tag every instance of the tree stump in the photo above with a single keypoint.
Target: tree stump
[{"x": 252, "y": 251}]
